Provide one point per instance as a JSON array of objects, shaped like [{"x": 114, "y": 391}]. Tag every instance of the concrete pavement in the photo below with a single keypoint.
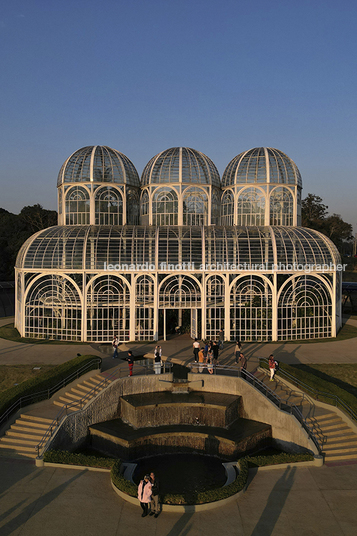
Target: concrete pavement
[{"x": 284, "y": 502}]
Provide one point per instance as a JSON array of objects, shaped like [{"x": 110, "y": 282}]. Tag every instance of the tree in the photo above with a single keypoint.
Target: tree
[
  {"x": 313, "y": 212},
  {"x": 14, "y": 231},
  {"x": 37, "y": 218},
  {"x": 314, "y": 215}
]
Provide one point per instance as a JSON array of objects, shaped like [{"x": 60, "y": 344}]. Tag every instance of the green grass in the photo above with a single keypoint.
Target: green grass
[
  {"x": 10, "y": 333},
  {"x": 12, "y": 375},
  {"x": 346, "y": 332},
  {"x": 320, "y": 378}
]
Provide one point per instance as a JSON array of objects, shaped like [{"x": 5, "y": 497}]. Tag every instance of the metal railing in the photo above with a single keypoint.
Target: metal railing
[
  {"x": 316, "y": 393},
  {"x": 46, "y": 394},
  {"x": 78, "y": 405},
  {"x": 292, "y": 409}
]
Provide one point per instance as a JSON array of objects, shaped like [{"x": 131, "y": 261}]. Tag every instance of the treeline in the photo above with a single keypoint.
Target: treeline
[
  {"x": 15, "y": 229},
  {"x": 315, "y": 216}
]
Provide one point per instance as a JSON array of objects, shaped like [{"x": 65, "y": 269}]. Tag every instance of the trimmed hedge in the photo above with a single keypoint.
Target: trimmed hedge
[
  {"x": 43, "y": 382},
  {"x": 317, "y": 383},
  {"x": 121, "y": 483},
  {"x": 276, "y": 459},
  {"x": 72, "y": 458},
  {"x": 213, "y": 495}
]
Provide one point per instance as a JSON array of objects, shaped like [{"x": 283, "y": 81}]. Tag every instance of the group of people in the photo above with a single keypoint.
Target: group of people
[
  {"x": 206, "y": 355},
  {"x": 148, "y": 494}
]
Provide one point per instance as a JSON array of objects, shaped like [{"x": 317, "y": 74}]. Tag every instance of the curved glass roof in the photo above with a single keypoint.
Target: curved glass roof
[
  {"x": 98, "y": 164},
  {"x": 89, "y": 247},
  {"x": 180, "y": 165},
  {"x": 261, "y": 165}
]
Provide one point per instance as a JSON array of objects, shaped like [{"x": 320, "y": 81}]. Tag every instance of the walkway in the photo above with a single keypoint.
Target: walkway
[{"x": 291, "y": 502}]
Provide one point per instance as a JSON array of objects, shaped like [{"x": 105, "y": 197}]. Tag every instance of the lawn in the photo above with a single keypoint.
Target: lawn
[
  {"x": 342, "y": 374},
  {"x": 11, "y": 375}
]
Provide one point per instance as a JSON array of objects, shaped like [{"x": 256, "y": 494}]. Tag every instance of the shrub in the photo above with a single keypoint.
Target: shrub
[
  {"x": 121, "y": 483},
  {"x": 283, "y": 457},
  {"x": 73, "y": 458},
  {"x": 36, "y": 389}
]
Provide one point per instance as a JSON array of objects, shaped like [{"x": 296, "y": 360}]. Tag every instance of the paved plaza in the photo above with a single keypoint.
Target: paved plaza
[{"x": 280, "y": 502}]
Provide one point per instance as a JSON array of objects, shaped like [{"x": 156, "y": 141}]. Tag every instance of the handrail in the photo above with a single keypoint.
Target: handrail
[
  {"x": 267, "y": 392},
  {"x": 47, "y": 393},
  {"x": 316, "y": 393},
  {"x": 82, "y": 402}
]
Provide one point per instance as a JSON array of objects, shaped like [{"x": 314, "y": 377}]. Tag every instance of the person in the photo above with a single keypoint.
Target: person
[
  {"x": 237, "y": 351},
  {"x": 272, "y": 367},
  {"x": 201, "y": 359},
  {"x": 115, "y": 345},
  {"x": 130, "y": 360},
  {"x": 209, "y": 363},
  {"x": 215, "y": 351},
  {"x": 205, "y": 351},
  {"x": 155, "y": 489},
  {"x": 196, "y": 349},
  {"x": 243, "y": 365},
  {"x": 157, "y": 359},
  {"x": 221, "y": 339},
  {"x": 144, "y": 494}
]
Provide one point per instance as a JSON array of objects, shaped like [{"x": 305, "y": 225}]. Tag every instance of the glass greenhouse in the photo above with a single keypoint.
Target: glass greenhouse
[{"x": 178, "y": 250}]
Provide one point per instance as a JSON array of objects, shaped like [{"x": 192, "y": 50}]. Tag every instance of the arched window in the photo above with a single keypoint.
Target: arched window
[
  {"x": 132, "y": 207},
  {"x": 251, "y": 207},
  {"x": 195, "y": 206},
  {"x": 108, "y": 207},
  {"x": 180, "y": 292},
  {"x": 165, "y": 207},
  {"x": 53, "y": 309},
  {"x": 281, "y": 207},
  {"x": 144, "y": 308},
  {"x": 304, "y": 309},
  {"x": 215, "y": 306},
  {"x": 108, "y": 309},
  {"x": 227, "y": 208},
  {"x": 251, "y": 309},
  {"x": 77, "y": 206}
]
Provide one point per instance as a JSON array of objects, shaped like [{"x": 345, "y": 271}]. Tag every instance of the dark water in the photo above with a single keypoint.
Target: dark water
[{"x": 183, "y": 473}]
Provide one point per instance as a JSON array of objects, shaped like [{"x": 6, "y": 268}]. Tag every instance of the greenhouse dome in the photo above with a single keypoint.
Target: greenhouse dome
[
  {"x": 261, "y": 165},
  {"x": 98, "y": 185},
  {"x": 98, "y": 164},
  {"x": 180, "y": 165}
]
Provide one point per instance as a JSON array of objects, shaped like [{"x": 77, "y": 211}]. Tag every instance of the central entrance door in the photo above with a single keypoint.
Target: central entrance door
[{"x": 188, "y": 320}]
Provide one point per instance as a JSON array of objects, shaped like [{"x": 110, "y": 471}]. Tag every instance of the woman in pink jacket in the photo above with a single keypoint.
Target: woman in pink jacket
[{"x": 144, "y": 494}]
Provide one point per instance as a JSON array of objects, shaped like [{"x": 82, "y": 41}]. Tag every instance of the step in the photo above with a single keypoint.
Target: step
[
  {"x": 29, "y": 435},
  {"x": 337, "y": 435},
  {"x": 342, "y": 440},
  {"x": 31, "y": 425},
  {"x": 19, "y": 448},
  {"x": 8, "y": 450},
  {"x": 74, "y": 395},
  {"x": 67, "y": 399},
  {"x": 81, "y": 389},
  {"x": 14, "y": 441},
  {"x": 339, "y": 457},
  {"x": 23, "y": 428},
  {"x": 62, "y": 403},
  {"x": 340, "y": 449},
  {"x": 27, "y": 417}
]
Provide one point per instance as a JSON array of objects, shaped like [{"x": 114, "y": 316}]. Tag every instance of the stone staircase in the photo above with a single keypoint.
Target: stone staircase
[
  {"x": 27, "y": 431},
  {"x": 338, "y": 439}
]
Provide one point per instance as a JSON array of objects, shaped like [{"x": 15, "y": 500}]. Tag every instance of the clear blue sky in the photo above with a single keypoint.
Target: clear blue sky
[{"x": 145, "y": 75}]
